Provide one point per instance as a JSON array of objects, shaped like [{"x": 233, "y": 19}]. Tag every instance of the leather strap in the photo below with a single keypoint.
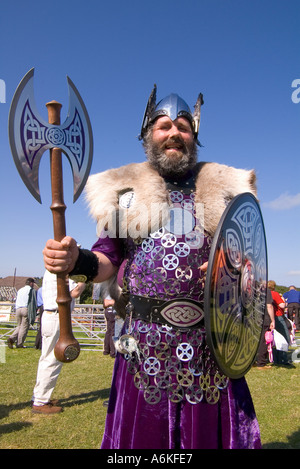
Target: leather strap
[{"x": 181, "y": 313}]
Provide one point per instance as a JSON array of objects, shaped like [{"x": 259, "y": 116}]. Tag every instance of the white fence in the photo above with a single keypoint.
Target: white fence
[{"x": 89, "y": 325}]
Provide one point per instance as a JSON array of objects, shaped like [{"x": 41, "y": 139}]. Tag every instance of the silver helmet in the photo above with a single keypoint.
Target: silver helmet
[{"x": 172, "y": 106}]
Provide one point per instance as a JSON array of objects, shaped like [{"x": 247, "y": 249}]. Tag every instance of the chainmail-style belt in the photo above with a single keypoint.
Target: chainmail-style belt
[{"x": 181, "y": 313}]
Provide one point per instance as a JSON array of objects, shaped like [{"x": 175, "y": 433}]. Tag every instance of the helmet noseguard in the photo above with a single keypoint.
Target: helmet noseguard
[{"x": 172, "y": 106}]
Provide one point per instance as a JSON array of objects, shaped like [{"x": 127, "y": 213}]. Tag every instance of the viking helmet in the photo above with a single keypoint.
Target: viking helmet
[{"x": 172, "y": 106}]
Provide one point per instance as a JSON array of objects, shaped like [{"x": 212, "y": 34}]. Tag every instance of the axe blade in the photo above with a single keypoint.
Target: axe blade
[
  {"x": 79, "y": 139},
  {"x": 30, "y": 135},
  {"x": 26, "y": 158}
]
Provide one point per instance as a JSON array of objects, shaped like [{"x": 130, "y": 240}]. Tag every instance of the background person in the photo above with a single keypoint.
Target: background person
[
  {"x": 26, "y": 298},
  {"x": 40, "y": 309},
  {"x": 280, "y": 356},
  {"x": 269, "y": 324},
  {"x": 292, "y": 298},
  {"x": 49, "y": 367},
  {"x": 110, "y": 317}
]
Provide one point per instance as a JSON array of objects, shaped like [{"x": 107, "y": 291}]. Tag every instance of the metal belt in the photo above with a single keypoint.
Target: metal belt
[{"x": 180, "y": 313}]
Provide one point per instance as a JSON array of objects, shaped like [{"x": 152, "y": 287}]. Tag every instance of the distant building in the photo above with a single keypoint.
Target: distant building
[{"x": 9, "y": 287}]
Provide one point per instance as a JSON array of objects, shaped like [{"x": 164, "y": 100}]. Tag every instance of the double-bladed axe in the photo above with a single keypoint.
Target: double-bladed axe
[{"x": 29, "y": 136}]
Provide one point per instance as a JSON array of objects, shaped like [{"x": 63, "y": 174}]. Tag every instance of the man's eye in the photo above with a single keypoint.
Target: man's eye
[{"x": 165, "y": 128}]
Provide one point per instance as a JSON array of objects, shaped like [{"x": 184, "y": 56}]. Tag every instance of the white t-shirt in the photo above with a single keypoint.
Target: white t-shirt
[
  {"x": 22, "y": 297},
  {"x": 49, "y": 291}
]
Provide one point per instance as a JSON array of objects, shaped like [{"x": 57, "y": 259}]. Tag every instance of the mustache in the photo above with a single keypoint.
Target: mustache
[
  {"x": 171, "y": 166},
  {"x": 174, "y": 140}
]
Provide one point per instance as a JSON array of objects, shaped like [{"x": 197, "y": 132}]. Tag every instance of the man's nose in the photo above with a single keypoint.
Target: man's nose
[{"x": 174, "y": 131}]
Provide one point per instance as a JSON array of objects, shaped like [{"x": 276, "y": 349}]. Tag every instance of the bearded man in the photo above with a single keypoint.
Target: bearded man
[{"x": 155, "y": 222}]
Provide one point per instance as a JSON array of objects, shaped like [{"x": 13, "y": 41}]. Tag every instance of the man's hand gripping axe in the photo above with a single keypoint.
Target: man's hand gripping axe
[{"x": 29, "y": 137}]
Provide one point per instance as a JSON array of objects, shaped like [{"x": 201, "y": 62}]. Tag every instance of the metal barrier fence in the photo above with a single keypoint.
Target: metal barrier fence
[{"x": 89, "y": 325}]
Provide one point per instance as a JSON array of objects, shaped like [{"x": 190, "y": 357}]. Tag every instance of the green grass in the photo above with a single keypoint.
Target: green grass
[
  {"x": 82, "y": 387},
  {"x": 84, "y": 384},
  {"x": 275, "y": 393}
]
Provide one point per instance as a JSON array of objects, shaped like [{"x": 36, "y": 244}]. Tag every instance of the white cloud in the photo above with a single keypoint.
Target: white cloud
[
  {"x": 294, "y": 272},
  {"x": 284, "y": 202}
]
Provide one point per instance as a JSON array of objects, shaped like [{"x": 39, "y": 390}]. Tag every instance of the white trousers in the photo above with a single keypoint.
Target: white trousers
[{"x": 49, "y": 367}]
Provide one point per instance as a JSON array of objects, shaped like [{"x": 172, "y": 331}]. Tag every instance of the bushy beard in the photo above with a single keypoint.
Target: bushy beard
[{"x": 177, "y": 165}]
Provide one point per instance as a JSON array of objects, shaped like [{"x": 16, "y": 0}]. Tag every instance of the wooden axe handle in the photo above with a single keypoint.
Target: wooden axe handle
[{"x": 67, "y": 348}]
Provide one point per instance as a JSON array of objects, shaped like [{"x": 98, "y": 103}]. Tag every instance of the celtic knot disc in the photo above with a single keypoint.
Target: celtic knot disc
[
  {"x": 175, "y": 393},
  {"x": 152, "y": 395},
  {"x": 55, "y": 136},
  {"x": 184, "y": 352},
  {"x": 141, "y": 380},
  {"x": 212, "y": 395},
  {"x": 194, "y": 394}
]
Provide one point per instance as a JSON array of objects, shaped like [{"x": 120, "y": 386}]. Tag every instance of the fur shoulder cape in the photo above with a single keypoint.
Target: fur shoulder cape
[{"x": 216, "y": 185}]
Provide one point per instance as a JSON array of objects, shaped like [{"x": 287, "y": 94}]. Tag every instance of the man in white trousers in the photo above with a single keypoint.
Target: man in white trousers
[{"x": 49, "y": 367}]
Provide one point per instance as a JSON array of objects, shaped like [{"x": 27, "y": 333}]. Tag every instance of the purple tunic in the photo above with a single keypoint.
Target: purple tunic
[{"x": 170, "y": 395}]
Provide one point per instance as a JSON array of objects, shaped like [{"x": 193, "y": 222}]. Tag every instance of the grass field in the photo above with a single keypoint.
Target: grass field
[{"x": 84, "y": 384}]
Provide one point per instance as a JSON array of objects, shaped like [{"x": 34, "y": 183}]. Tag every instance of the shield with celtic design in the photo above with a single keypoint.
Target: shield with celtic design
[{"x": 235, "y": 289}]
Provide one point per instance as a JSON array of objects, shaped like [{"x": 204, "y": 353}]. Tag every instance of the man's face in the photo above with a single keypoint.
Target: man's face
[
  {"x": 171, "y": 147},
  {"x": 172, "y": 136}
]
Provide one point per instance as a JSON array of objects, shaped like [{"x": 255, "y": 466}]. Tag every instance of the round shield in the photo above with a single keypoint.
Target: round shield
[{"x": 235, "y": 288}]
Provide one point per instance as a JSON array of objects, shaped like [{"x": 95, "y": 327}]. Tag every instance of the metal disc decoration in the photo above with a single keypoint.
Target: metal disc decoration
[{"x": 235, "y": 289}]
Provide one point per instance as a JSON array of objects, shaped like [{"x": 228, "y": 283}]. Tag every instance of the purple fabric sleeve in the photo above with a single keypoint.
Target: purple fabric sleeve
[{"x": 111, "y": 248}]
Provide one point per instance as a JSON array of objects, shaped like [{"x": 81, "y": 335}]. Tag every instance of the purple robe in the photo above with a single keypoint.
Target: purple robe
[
  {"x": 165, "y": 266},
  {"x": 131, "y": 423}
]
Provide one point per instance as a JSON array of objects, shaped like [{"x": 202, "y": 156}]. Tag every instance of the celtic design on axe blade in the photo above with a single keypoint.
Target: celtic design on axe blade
[{"x": 30, "y": 136}]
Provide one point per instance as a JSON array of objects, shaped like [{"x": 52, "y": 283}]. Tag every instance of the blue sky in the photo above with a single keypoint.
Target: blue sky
[{"x": 242, "y": 55}]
